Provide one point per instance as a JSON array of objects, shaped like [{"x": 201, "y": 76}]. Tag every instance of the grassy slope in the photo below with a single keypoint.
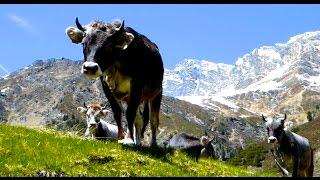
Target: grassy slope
[{"x": 24, "y": 151}]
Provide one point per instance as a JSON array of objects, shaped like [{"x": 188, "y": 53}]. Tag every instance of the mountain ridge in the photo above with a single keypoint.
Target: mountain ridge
[{"x": 275, "y": 70}]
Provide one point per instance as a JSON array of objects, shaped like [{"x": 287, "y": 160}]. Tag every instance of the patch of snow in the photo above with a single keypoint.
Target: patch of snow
[
  {"x": 5, "y": 90},
  {"x": 224, "y": 101},
  {"x": 197, "y": 100}
]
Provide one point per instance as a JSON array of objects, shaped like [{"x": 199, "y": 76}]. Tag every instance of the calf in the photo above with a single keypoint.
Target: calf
[
  {"x": 133, "y": 67},
  {"x": 192, "y": 145},
  {"x": 96, "y": 127},
  {"x": 289, "y": 146}
]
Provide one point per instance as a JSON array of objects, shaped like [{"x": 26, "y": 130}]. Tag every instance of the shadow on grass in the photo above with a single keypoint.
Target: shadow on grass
[
  {"x": 161, "y": 153},
  {"x": 164, "y": 153}
]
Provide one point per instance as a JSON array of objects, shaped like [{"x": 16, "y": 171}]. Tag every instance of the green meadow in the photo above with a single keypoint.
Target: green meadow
[{"x": 26, "y": 152}]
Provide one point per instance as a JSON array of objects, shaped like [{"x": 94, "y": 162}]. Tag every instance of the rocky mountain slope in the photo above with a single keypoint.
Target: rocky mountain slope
[{"x": 284, "y": 78}]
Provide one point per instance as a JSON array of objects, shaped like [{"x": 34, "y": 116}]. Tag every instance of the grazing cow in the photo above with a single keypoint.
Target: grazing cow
[
  {"x": 96, "y": 127},
  {"x": 289, "y": 146},
  {"x": 130, "y": 68},
  {"x": 192, "y": 145}
]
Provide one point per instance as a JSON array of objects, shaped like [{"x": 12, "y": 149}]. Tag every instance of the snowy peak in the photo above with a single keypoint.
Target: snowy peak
[
  {"x": 264, "y": 77},
  {"x": 194, "y": 77},
  {"x": 307, "y": 36}
]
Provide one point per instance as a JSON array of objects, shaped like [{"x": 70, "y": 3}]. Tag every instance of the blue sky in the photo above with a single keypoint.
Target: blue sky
[{"x": 215, "y": 32}]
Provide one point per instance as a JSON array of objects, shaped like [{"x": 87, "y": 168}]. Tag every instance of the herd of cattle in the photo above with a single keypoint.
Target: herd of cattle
[{"x": 131, "y": 70}]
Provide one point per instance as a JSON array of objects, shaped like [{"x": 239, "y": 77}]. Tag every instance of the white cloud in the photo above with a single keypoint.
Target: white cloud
[{"x": 21, "y": 22}]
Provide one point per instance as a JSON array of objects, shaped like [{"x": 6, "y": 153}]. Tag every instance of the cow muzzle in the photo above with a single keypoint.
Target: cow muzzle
[
  {"x": 91, "y": 69},
  {"x": 272, "y": 139}
]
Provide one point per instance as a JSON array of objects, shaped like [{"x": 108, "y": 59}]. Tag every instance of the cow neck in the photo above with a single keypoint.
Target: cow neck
[{"x": 284, "y": 141}]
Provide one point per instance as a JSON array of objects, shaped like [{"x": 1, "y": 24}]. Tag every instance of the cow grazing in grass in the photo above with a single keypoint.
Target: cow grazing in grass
[
  {"x": 194, "y": 146},
  {"x": 130, "y": 68},
  {"x": 289, "y": 147},
  {"x": 96, "y": 127}
]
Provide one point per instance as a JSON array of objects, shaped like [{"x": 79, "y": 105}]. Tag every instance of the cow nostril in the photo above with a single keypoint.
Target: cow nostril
[{"x": 92, "y": 69}]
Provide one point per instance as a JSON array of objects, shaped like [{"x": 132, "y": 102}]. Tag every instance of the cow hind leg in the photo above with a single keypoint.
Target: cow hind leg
[
  {"x": 311, "y": 167},
  {"x": 138, "y": 126},
  {"x": 302, "y": 173},
  {"x": 154, "y": 117},
  {"x": 145, "y": 117},
  {"x": 310, "y": 171}
]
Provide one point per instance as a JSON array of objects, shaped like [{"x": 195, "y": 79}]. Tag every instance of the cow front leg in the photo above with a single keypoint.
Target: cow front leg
[
  {"x": 295, "y": 167},
  {"x": 133, "y": 104},
  {"x": 131, "y": 116},
  {"x": 115, "y": 106}
]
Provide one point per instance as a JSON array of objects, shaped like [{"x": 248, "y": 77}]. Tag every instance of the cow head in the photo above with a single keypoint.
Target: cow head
[
  {"x": 93, "y": 112},
  {"x": 205, "y": 140},
  {"x": 101, "y": 42},
  {"x": 275, "y": 128},
  {"x": 208, "y": 146}
]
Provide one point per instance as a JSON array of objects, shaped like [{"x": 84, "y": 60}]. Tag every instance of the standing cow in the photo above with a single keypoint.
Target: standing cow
[
  {"x": 290, "y": 146},
  {"x": 133, "y": 67}
]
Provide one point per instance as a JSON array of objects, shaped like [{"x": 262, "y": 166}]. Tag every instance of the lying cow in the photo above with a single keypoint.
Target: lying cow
[
  {"x": 290, "y": 146},
  {"x": 96, "y": 127},
  {"x": 192, "y": 145},
  {"x": 132, "y": 63}
]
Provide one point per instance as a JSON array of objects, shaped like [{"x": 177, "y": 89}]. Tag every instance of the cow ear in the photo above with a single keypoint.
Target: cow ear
[
  {"x": 82, "y": 109},
  {"x": 105, "y": 112},
  {"x": 75, "y": 34},
  {"x": 125, "y": 40}
]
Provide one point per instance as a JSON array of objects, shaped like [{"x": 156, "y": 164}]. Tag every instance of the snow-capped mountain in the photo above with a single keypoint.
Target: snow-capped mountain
[
  {"x": 193, "y": 77},
  {"x": 263, "y": 79}
]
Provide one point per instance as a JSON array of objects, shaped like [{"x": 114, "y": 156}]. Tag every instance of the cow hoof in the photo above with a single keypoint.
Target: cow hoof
[{"x": 126, "y": 141}]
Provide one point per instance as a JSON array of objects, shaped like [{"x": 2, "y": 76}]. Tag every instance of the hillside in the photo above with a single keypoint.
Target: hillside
[
  {"x": 45, "y": 152},
  {"x": 47, "y": 93}
]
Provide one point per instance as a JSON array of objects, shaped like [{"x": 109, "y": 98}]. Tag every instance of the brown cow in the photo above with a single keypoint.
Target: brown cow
[{"x": 134, "y": 69}]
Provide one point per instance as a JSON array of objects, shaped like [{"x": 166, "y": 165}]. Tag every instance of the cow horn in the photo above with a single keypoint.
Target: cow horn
[
  {"x": 121, "y": 28},
  {"x": 84, "y": 105},
  {"x": 285, "y": 116},
  {"x": 264, "y": 118},
  {"x": 79, "y": 25}
]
